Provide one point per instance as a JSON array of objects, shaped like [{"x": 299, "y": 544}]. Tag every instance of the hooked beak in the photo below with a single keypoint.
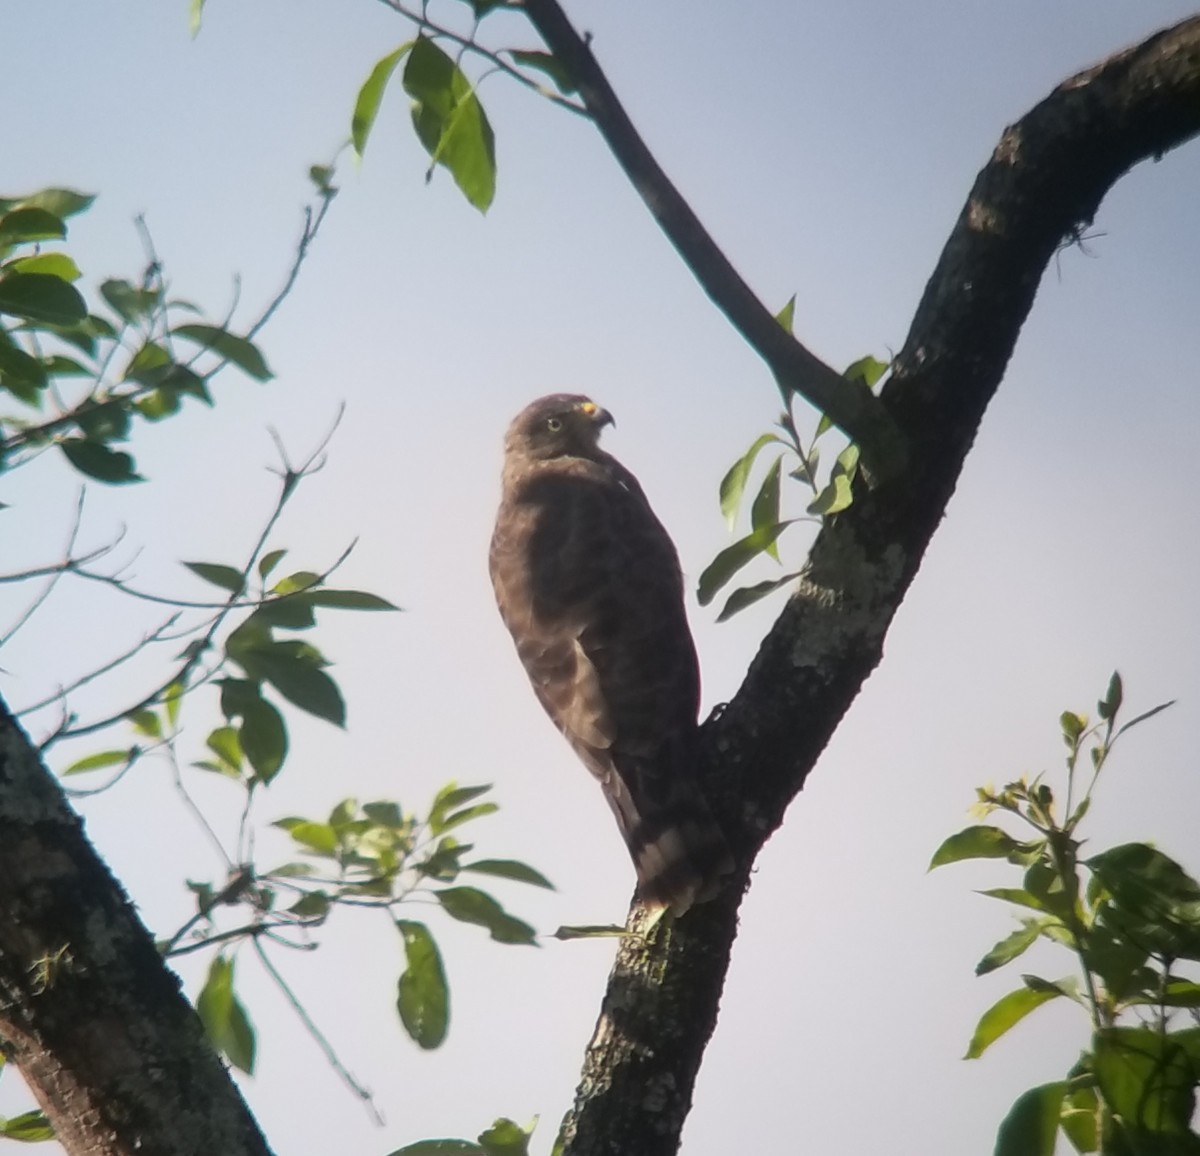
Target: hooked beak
[{"x": 598, "y": 416}]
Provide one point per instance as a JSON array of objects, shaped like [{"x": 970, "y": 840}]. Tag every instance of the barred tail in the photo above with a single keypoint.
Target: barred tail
[{"x": 680, "y": 856}]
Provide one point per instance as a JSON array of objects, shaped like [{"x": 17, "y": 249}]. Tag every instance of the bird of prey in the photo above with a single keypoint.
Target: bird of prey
[{"x": 588, "y": 584}]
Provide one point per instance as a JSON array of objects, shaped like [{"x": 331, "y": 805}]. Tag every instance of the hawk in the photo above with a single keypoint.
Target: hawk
[{"x": 588, "y": 584}]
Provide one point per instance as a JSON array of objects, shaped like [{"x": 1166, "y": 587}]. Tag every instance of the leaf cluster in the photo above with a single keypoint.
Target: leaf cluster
[
  {"x": 80, "y": 374},
  {"x": 504, "y": 1138},
  {"x": 1130, "y": 916},
  {"x": 369, "y": 856},
  {"x": 447, "y": 116},
  {"x": 832, "y": 492}
]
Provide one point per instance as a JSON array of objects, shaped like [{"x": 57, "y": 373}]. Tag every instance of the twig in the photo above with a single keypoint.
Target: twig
[
  {"x": 156, "y": 635},
  {"x": 470, "y": 44},
  {"x": 858, "y": 413},
  {"x": 310, "y": 1026},
  {"x": 46, "y": 591}
]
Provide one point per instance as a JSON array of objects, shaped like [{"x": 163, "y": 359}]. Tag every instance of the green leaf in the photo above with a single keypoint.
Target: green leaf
[
  {"x": 423, "y": 998},
  {"x": 440, "y": 1148},
  {"x": 472, "y": 906},
  {"x": 300, "y": 682},
  {"x": 450, "y": 121},
  {"x": 226, "y": 577},
  {"x": 97, "y": 461},
  {"x": 269, "y": 561},
  {"x": 730, "y": 560},
  {"x": 239, "y": 351},
  {"x": 263, "y": 738},
  {"x": 444, "y": 863},
  {"x": 311, "y": 905},
  {"x": 592, "y": 931},
  {"x": 385, "y": 813},
  {"x": 1011, "y": 946},
  {"x": 1108, "y": 706},
  {"x": 846, "y": 464},
  {"x": 322, "y": 177},
  {"x": 787, "y": 315},
  {"x": 1073, "y": 725},
  {"x": 301, "y": 580},
  {"x": 1031, "y": 1125},
  {"x": 1068, "y": 987},
  {"x": 60, "y": 202},
  {"x": 1006, "y": 1012},
  {"x": 288, "y": 611},
  {"x": 366, "y": 106},
  {"x": 509, "y": 869},
  {"x": 1143, "y": 717},
  {"x": 506, "y": 1138},
  {"x": 1146, "y": 1079},
  {"x": 21, "y": 372},
  {"x": 975, "y": 842},
  {"x": 224, "y": 743},
  {"x": 146, "y": 722},
  {"x": 834, "y": 498},
  {"x": 128, "y": 302},
  {"x": 103, "y": 759},
  {"x": 450, "y": 798},
  {"x": 449, "y": 822},
  {"x": 108, "y": 421},
  {"x": 1120, "y": 964},
  {"x": 318, "y": 837},
  {"x": 550, "y": 65},
  {"x": 764, "y": 512},
  {"x": 53, "y": 264},
  {"x": 349, "y": 600},
  {"x": 41, "y": 297},
  {"x": 28, "y": 224},
  {"x": 866, "y": 371},
  {"x": 1017, "y": 895},
  {"x": 225, "y": 1021},
  {"x": 745, "y": 596},
  {"x": 1154, "y": 902},
  {"x": 29, "y": 1127},
  {"x": 195, "y": 16},
  {"x": 733, "y": 484},
  {"x": 1078, "y": 1118}
]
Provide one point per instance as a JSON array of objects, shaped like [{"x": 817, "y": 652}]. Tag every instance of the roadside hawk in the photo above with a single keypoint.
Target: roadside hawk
[{"x": 588, "y": 584}]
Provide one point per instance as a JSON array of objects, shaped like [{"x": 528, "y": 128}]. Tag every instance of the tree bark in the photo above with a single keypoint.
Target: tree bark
[
  {"x": 1043, "y": 184},
  {"x": 89, "y": 1012}
]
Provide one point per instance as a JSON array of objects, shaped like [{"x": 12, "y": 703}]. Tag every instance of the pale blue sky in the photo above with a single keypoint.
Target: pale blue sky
[{"x": 829, "y": 148}]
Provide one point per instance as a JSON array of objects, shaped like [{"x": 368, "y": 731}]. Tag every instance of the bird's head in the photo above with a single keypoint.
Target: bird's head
[{"x": 560, "y": 425}]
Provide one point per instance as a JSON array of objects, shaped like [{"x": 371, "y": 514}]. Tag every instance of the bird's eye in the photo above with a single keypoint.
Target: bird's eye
[{"x": 554, "y": 424}]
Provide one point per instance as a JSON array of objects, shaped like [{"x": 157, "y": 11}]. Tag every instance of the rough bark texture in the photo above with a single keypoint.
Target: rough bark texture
[
  {"x": 1044, "y": 182},
  {"x": 88, "y": 1010}
]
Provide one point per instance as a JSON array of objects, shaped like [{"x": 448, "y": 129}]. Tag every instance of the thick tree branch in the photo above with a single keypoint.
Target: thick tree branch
[
  {"x": 88, "y": 1011},
  {"x": 855, "y": 411},
  {"x": 1046, "y": 178}
]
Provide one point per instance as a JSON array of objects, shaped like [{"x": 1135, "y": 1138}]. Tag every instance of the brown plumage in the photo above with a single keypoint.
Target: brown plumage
[{"x": 588, "y": 584}]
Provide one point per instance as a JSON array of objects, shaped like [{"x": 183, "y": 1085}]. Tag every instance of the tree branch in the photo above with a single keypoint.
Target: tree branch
[
  {"x": 113, "y": 1052},
  {"x": 855, "y": 411},
  {"x": 1047, "y": 176}
]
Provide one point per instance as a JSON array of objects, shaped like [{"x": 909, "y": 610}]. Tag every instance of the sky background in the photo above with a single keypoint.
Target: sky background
[{"x": 829, "y": 149}]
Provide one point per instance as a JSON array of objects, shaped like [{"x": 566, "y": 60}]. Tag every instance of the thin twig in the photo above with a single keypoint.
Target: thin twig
[
  {"x": 470, "y": 44},
  {"x": 55, "y": 577},
  {"x": 310, "y": 1026},
  {"x": 59, "y": 695}
]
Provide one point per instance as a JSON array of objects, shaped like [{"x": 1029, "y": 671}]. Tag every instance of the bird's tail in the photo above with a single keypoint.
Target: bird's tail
[{"x": 680, "y": 855}]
